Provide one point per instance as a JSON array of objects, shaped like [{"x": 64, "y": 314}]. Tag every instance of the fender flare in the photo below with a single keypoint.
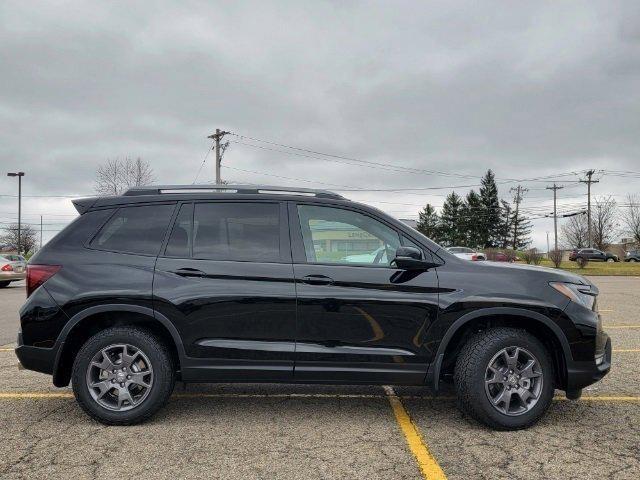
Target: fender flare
[
  {"x": 433, "y": 373},
  {"x": 115, "y": 307}
]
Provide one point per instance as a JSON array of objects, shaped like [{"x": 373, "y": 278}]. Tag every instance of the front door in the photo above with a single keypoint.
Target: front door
[
  {"x": 225, "y": 280},
  {"x": 359, "y": 318}
]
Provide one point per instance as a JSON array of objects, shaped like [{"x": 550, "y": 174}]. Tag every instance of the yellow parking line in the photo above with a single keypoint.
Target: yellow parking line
[
  {"x": 610, "y": 327},
  {"x": 601, "y": 310},
  {"x": 426, "y": 462},
  {"x": 19, "y": 395},
  {"x": 7, "y": 349},
  {"x": 627, "y": 350}
]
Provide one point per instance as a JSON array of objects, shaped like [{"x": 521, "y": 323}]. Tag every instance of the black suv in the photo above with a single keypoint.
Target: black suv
[
  {"x": 265, "y": 284},
  {"x": 593, "y": 255}
]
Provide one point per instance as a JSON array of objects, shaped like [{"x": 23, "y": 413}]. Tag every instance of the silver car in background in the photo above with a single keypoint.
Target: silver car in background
[{"x": 12, "y": 268}]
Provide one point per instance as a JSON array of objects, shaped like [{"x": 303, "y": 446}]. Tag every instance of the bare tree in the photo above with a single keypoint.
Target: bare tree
[
  {"x": 604, "y": 226},
  {"x": 28, "y": 238},
  {"x": 574, "y": 232},
  {"x": 631, "y": 216},
  {"x": 116, "y": 176},
  {"x": 556, "y": 257}
]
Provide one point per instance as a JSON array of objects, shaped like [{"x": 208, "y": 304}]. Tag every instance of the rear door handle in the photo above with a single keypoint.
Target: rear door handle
[
  {"x": 190, "y": 272},
  {"x": 317, "y": 280}
]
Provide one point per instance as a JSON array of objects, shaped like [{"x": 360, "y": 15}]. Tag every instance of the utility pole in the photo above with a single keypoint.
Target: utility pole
[
  {"x": 219, "y": 151},
  {"x": 555, "y": 189},
  {"x": 40, "y": 232},
  {"x": 517, "y": 199},
  {"x": 548, "y": 245},
  {"x": 19, "y": 175},
  {"x": 589, "y": 181}
]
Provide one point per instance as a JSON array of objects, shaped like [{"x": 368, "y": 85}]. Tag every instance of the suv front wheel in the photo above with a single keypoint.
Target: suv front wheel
[
  {"x": 504, "y": 378},
  {"x": 123, "y": 375}
]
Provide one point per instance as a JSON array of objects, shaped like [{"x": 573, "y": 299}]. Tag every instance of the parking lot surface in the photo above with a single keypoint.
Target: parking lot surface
[{"x": 307, "y": 431}]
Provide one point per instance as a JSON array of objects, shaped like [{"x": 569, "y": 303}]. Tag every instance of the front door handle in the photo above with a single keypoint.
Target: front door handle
[
  {"x": 190, "y": 272},
  {"x": 317, "y": 280}
]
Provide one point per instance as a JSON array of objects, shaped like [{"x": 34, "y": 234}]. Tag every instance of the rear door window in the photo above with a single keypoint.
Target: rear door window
[
  {"x": 137, "y": 230},
  {"x": 240, "y": 231}
]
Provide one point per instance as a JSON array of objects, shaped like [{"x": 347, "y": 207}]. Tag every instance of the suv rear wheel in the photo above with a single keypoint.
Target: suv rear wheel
[
  {"x": 504, "y": 378},
  {"x": 123, "y": 375}
]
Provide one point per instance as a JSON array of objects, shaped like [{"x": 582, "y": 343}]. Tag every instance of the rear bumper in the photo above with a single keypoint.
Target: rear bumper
[
  {"x": 12, "y": 277},
  {"x": 582, "y": 374},
  {"x": 36, "y": 358}
]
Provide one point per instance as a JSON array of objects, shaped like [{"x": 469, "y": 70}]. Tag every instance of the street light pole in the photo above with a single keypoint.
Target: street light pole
[{"x": 19, "y": 175}]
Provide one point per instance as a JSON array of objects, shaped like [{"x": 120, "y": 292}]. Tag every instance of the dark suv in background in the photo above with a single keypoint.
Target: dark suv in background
[
  {"x": 632, "y": 256},
  {"x": 264, "y": 284},
  {"x": 592, "y": 255}
]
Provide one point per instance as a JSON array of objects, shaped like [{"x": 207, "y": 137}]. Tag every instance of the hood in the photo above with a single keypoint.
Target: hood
[{"x": 551, "y": 274}]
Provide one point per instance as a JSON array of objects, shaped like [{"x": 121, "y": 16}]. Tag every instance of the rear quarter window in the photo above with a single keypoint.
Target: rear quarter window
[{"x": 136, "y": 229}]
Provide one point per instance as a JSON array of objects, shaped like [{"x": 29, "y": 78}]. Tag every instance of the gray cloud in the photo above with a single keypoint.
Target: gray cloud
[{"x": 526, "y": 89}]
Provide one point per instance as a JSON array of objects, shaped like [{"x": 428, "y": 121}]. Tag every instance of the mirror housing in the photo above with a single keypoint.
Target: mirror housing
[{"x": 410, "y": 258}]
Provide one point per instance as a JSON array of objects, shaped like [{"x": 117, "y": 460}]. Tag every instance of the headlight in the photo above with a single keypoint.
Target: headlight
[{"x": 581, "y": 294}]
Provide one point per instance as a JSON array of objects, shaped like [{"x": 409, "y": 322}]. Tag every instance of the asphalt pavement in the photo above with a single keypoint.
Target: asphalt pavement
[{"x": 320, "y": 432}]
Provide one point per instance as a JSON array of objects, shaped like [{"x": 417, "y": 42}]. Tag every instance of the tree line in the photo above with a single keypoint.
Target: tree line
[{"x": 478, "y": 220}]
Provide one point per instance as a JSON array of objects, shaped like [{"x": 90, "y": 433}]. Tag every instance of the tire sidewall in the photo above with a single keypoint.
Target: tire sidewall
[
  {"x": 163, "y": 376},
  {"x": 546, "y": 394}
]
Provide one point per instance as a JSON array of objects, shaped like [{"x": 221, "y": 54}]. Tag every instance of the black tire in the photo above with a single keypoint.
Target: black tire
[
  {"x": 163, "y": 375},
  {"x": 611, "y": 260},
  {"x": 632, "y": 260},
  {"x": 470, "y": 373},
  {"x": 5, "y": 283}
]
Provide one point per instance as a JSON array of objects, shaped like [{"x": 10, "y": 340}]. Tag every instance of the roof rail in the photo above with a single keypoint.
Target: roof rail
[{"x": 241, "y": 189}]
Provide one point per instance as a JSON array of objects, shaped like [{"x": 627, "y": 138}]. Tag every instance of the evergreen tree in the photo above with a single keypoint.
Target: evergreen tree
[
  {"x": 428, "y": 222},
  {"x": 490, "y": 207},
  {"x": 505, "y": 232},
  {"x": 520, "y": 229},
  {"x": 473, "y": 220},
  {"x": 451, "y": 229}
]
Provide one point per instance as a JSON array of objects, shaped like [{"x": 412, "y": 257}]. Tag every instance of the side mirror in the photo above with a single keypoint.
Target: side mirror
[{"x": 410, "y": 258}]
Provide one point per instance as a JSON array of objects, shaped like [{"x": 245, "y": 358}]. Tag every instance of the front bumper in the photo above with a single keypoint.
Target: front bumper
[
  {"x": 38, "y": 359},
  {"x": 582, "y": 374}
]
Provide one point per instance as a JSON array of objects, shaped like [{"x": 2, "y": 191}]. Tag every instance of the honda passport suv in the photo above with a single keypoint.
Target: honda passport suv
[{"x": 267, "y": 284}]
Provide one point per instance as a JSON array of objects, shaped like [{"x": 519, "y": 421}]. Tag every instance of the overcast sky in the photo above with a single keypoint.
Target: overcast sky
[{"x": 528, "y": 89}]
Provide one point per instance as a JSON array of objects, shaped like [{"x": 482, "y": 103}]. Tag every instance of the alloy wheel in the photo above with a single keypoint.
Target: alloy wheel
[
  {"x": 119, "y": 377},
  {"x": 513, "y": 381}
]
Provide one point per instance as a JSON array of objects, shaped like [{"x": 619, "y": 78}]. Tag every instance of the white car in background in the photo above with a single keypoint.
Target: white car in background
[
  {"x": 12, "y": 268},
  {"x": 467, "y": 253}
]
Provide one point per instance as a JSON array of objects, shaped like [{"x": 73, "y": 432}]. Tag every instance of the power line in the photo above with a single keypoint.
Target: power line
[{"x": 382, "y": 165}]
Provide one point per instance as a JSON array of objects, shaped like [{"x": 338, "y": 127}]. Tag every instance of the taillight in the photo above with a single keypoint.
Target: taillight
[
  {"x": 7, "y": 268},
  {"x": 38, "y": 274},
  {"x": 474, "y": 258}
]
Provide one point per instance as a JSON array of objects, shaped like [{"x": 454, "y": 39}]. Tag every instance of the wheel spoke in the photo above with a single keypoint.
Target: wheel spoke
[
  {"x": 127, "y": 359},
  {"x": 524, "y": 395},
  {"x": 512, "y": 360},
  {"x": 103, "y": 386},
  {"x": 139, "y": 378},
  {"x": 105, "y": 363},
  {"x": 498, "y": 376},
  {"x": 503, "y": 396},
  {"x": 124, "y": 395},
  {"x": 527, "y": 370}
]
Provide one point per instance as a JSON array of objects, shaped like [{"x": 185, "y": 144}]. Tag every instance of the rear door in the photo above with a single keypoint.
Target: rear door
[
  {"x": 225, "y": 280},
  {"x": 359, "y": 318}
]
